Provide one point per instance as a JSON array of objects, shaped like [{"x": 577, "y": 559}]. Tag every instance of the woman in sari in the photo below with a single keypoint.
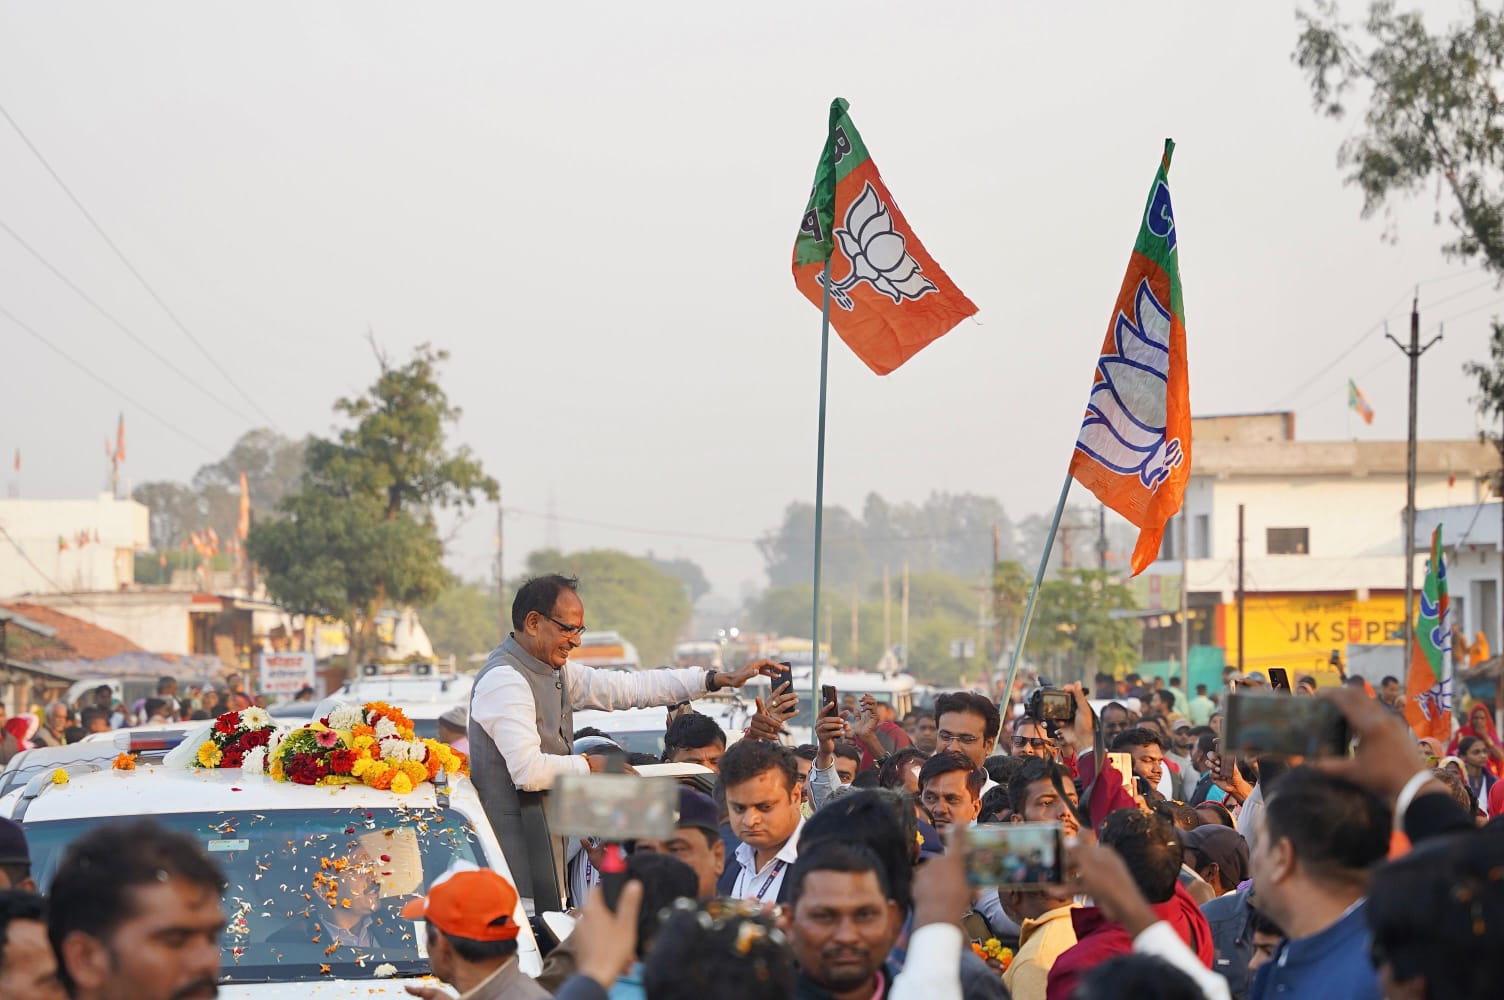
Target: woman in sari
[{"x": 1480, "y": 724}]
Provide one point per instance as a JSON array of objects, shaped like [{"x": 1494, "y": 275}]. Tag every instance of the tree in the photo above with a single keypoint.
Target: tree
[
  {"x": 359, "y": 535},
  {"x": 462, "y": 621},
  {"x": 175, "y": 511},
  {"x": 1010, "y": 595},
  {"x": 1490, "y": 405},
  {"x": 790, "y": 550},
  {"x": 1079, "y": 625},
  {"x": 688, "y": 573},
  {"x": 1433, "y": 112},
  {"x": 624, "y": 593}
]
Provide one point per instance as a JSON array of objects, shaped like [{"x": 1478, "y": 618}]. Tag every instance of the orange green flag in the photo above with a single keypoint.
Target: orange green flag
[
  {"x": 1134, "y": 449},
  {"x": 1428, "y": 689},
  {"x": 889, "y": 297},
  {"x": 1357, "y": 401}
]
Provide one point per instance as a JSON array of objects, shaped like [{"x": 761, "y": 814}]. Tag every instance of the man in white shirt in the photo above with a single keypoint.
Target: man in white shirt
[
  {"x": 522, "y": 723},
  {"x": 762, "y": 799}
]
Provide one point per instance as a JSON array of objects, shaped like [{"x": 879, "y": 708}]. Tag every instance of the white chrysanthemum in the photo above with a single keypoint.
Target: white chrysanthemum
[
  {"x": 346, "y": 717},
  {"x": 254, "y": 761},
  {"x": 385, "y": 970},
  {"x": 255, "y": 718},
  {"x": 386, "y": 729}
]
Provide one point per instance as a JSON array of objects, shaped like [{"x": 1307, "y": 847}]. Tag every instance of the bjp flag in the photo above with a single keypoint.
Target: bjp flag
[
  {"x": 1428, "y": 689},
  {"x": 889, "y": 297},
  {"x": 1134, "y": 449}
]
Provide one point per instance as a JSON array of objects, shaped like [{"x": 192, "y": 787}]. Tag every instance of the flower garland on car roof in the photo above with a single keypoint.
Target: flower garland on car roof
[{"x": 371, "y": 744}]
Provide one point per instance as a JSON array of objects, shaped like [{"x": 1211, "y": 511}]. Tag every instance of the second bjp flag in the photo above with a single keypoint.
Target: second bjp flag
[{"x": 1134, "y": 449}]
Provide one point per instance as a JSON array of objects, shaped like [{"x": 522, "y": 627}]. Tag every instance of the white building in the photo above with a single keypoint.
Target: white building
[
  {"x": 70, "y": 545},
  {"x": 1470, "y": 542},
  {"x": 1323, "y": 549}
]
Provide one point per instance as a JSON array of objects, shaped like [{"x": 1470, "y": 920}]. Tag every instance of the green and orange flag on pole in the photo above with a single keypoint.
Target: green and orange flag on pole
[
  {"x": 1428, "y": 689},
  {"x": 1134, "y": 449},
  {"x": 890, "y": 297}
]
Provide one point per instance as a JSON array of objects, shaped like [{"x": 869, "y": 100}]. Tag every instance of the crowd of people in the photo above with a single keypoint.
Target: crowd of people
[
  {"x": 57, "y": 722},
  {"x": 838, "y": 869}
]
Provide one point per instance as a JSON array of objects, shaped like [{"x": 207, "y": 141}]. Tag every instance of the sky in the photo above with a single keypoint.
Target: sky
[{"x": 591, "y": 206}]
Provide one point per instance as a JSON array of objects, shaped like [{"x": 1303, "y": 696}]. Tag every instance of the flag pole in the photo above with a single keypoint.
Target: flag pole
[
  {"x": 1044, "y": 562},
  {"x": 814, "y": 670}
]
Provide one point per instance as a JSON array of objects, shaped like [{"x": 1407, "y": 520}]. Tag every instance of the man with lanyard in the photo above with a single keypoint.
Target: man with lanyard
[
  {"x": 762, "y": 797},
  {"x": 522, "y": 719}
]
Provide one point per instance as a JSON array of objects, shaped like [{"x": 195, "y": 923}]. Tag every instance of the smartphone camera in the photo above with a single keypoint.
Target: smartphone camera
[{"x": 1051, "y": 705}]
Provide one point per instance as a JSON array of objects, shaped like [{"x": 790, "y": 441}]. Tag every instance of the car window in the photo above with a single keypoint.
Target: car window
[{"x": 310, "y": 888}]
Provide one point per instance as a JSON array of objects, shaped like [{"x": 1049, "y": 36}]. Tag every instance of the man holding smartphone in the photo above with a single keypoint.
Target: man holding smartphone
[{"x": 521, "y": 722}]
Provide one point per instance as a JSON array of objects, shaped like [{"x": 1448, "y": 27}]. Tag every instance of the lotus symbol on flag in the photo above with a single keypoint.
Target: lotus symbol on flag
[
  {"x": 878, "y": 254},
  {"x": 1125, "y": 420},
  {"x": 1437, "y": 700}
]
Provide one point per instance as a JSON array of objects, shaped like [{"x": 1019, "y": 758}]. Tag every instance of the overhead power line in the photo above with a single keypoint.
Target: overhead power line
[
  {"x": 240, "y": 415},
  {"x": 140, "y": 278},
  {"x": 107, "y": 384}
]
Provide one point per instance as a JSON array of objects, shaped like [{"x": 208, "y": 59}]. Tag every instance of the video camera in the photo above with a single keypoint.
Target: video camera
[{"x": 1050, "y": 706}]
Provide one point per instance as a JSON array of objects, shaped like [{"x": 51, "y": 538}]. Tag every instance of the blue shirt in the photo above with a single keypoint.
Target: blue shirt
[
  {"x": 628, "y": 986},
  {"x": 1330, "y": 965}
]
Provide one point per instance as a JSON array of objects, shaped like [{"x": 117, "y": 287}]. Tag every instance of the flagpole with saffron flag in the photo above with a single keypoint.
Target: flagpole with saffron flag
[
  {"x": 1134, "y": 447},
  {"x": 814, "y": 670},
  {"x": 894, "y": 299}
]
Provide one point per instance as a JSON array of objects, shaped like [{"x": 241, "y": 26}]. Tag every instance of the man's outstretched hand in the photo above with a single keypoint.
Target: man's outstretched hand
[{"x": 741, "y": 675}]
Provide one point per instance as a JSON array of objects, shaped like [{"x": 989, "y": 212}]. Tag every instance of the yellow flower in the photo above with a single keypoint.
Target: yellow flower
[
  {"x": 209, "y": 755},
  {"x": 361, "y": 742},
  {"x": 60, "y": 777},
  {"x": 414, "y": 771},
  {"x": 401, "y": 784},
  {"x": 276, "y": 771},
  {"x": 360, "y": 767}
]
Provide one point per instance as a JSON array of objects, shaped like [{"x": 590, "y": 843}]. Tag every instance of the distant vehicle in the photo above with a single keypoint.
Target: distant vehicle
[
  {"x": 606, "y": 650},
  {"x": 699, "y": 653},
  {"x": 640, "y": 730}
]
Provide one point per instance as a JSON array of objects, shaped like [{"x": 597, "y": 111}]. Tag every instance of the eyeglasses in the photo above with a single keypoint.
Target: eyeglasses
[
  {"x": 566, "y": 629},
  {"x": 1019, "y": 742},
  {"x": 965, "y": 739}
]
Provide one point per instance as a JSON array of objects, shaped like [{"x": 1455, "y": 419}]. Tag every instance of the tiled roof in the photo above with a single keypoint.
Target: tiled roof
[{"x": 75, "y": 639}]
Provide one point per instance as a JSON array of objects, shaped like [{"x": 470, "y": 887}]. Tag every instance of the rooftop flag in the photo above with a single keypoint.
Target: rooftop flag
[
  {"x": 1134, "y": 449},
  {"x": 890, "y": 297},
  {"x": 1357, "y": 401}
]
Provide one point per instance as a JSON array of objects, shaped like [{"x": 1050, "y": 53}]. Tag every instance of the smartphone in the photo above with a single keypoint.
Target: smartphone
[
  {"x": 1016, "y": 855},
  {"x": 828, "y": 695},
  {"x": 613, "y": 807},
  {"x": 1056, "y": 706},
  {"x": 785, "y": 675},
  {"x": 1279, "y": 679},
  {"x": 1266, "y": 724},
  {"x": 1124, "y": 764}
]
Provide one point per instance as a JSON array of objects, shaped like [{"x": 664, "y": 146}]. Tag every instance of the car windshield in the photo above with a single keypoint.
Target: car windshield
[
  {"x": 647, "y": 741},
  {"x": 311, "y": 894}
]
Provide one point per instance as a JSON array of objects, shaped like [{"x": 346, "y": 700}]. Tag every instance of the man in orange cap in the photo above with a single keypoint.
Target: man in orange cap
[{"x": 472, "y": 937}]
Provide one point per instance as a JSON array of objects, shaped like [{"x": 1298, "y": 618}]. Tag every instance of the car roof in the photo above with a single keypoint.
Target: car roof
[{"x": 162, "y": 789}]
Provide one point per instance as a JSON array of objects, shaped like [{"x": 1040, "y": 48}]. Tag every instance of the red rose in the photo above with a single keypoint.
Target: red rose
[
  {"x": 227, "y": 723},
  {"x": 256, "y": 738},
  {"x": 306, "y": 769},
  {"x": 342, "y": 761}
]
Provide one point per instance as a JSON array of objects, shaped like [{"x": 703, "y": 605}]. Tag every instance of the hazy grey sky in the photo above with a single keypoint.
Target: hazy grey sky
[{"x": 592, "y": 206}]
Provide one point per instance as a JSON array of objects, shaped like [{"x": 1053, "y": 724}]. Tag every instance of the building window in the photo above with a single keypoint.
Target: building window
[
  {"x": 1287, "y": 541},
  {"x": 1203, "y": 546}
]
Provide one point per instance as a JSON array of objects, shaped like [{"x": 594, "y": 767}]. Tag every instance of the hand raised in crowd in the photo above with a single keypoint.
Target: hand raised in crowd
[
  {"x": 1236, "y": 786},
  {"x": 605, "y": 943},
  {"x": 741, "y": 675},
  {"x": 864, "y": 729},
  {"x": 941, "y": 893},
  {"x": 1081, "y": 733},
  {"x": 767, "y": 722},
  {"x": 1386, "y": 758},
  {"x": 829, "y": 728}
]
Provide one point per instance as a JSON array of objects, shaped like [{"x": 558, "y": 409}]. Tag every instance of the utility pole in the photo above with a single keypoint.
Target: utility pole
[
  {"x": 887, "y": 610},
  {"x": 502, "y": 618},
  {"x": 903, "y": 617},
  {"x": 1240, "y": 588},
  {"x": 1185, "y": 624},
  {"x": 855, "y": 646},
  {"x": 1413, "y": 352},
  {"x": 1102, "y": 537}
]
